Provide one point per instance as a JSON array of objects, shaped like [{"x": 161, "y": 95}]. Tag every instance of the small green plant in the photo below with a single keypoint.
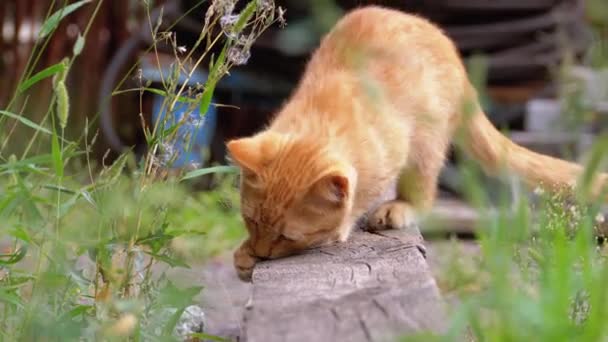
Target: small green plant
[
  {"x": 82, "y": 247},
  {"x": 541, "y": 270}
]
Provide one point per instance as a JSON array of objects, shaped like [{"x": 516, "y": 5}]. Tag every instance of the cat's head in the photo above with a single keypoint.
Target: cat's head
[{"x": 294, "y": 193}]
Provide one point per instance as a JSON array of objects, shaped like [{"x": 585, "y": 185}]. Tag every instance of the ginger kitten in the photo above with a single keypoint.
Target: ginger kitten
[{"x": 379, "y": 102}]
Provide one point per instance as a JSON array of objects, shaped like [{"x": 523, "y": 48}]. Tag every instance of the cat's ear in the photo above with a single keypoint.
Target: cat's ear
[
  {"x": 253, "y": 153},
  {"x": 245, "y": 153},
  {"x": 333, "y": 188}
]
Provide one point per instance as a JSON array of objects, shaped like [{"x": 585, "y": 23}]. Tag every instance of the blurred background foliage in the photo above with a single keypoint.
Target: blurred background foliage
[{"x": 100, "y": 191}]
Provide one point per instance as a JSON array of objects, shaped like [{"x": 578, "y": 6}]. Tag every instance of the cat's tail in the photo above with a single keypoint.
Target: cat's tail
[{"x": 495, "y": 152}]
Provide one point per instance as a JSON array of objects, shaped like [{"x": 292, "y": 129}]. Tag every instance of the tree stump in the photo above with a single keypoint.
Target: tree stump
[{"x": 375, "y": 287}]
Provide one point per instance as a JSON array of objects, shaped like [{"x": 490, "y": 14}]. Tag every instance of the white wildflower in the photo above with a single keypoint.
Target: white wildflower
[
  {"x": 264, "y": 5},
  {"x": 281, "y": 16},
  {"x": 224, "y": 6},
  {"x": 539, "y": 191},
  {"x": 181, "y": 49},
  {"x": 167, "y": 154},
  {"x": 167, "y": 148},
  {"x": 226, "y": 23},
  {"x": 599, "y": 218},
  {"x": 228, "y": 20},
  {"x": 238, "y": 55},
  {"x": 194, "y": 166},
  {"x": 196, "y": 121},
  {"x": 574, "y": 211}
]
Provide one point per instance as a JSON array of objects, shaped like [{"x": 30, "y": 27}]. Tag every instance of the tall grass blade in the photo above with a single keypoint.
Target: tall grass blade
[
  {"x": 53, "y": 21},
  {"x": 48, "y": 72},
  {"x": 57, "y": 157},
  {"x": 26, "y": 122},
  {"x": 210, "y": 87},
  {"x": 209, "y": 170}
]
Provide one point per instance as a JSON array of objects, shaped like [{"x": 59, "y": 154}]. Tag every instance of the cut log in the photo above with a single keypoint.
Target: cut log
[
  {"x": 450, "y": 216},
  {"x": 375, "y": 287}
]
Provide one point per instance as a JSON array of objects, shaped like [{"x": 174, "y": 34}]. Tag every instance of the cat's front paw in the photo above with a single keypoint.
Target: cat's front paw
[
  {"x": 392, "y": 215},
  {"x": 244, "y": 261}
]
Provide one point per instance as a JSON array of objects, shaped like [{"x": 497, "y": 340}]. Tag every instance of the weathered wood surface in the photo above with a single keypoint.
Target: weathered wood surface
[
  {"x": 375, "y": 287},
  {"x": 450, "y": 216}
]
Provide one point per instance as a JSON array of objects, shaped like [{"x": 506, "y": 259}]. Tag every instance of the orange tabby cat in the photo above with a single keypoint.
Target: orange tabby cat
[{"x": 380, "y": 101}]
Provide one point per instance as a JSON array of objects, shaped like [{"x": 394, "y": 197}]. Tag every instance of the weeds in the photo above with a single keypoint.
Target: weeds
[
  {"x": 542, "y": 268},
  {"x": 83, "y": 247}
]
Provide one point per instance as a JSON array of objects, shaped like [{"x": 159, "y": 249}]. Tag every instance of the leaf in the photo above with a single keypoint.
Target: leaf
[
  {"x": 15, "y": 281},
  {"x": 87, "y": 196},
  {"x": 57, "y": 157},
  {"x": 10, "y": 298},
  {"x": 53, "y": 21},
  {"x": 111, "y": 174},
  {"x": 174, "y": 297},
  {"x": 25, "y": 121},
  {"x": 59, "y": 188},
  {"x": 157, "y": 92},
  {"x": 65, "y": 207},
  {"x": 60, "y": 76},
  {"x": 208, "y": 170},
  {"x": 8, "y": 204},
  {"x": 79, "y": 45},
  {"x": 28, "y": 168},
  {"x": 48, "y": 72},
  {"x": 31, "y": 214},
  {"x": 212, "y": 80},
  {"x": 155, "y": 241},
  {"x": 21, "y": 234},
  {"x": 30, "y": 163},
  {"x": 206, "y": 98},
  {"x": 172, "y": 322},
  {"x": 79, "y": 310},
  {"x": 14, "y": 257},
  {"x": 173, "y": 262},
  {"x": 39, "y": 159}
]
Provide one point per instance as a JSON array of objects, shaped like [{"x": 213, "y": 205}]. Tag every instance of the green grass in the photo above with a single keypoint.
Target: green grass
[
  {"x": 540, "y": 275},
  {"x": 542, "y": 269}
]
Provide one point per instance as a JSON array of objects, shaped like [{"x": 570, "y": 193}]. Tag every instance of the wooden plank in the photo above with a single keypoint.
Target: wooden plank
[
  {"x": 453, "y": 216},
  {"x": 376, "y": 286},
  {"x": 450, "y": 216}
]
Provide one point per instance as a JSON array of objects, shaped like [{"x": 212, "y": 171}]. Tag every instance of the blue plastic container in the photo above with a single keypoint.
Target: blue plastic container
[
  {"x": 199, "y": 128},
  {"x": 193, "y": 136}
]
